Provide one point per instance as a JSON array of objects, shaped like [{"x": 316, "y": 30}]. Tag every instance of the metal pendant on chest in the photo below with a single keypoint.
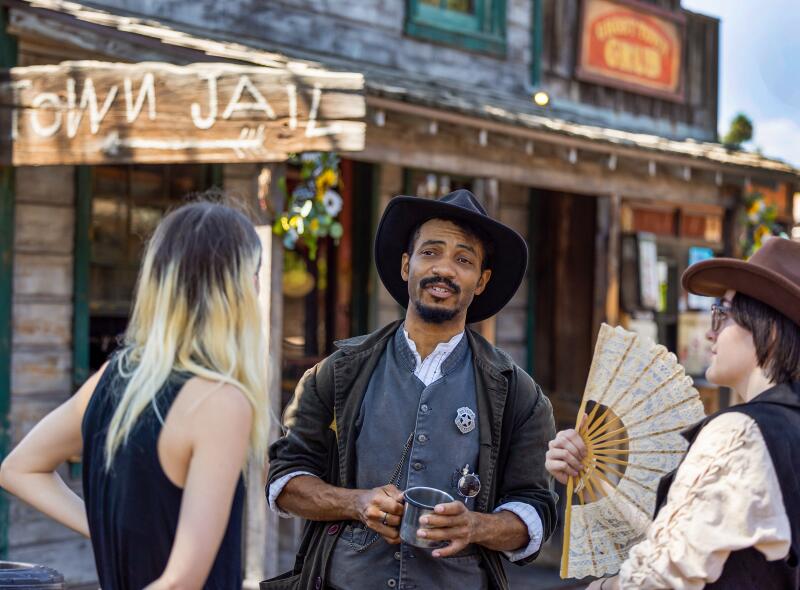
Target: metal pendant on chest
[{"x": 465, "y": 420}]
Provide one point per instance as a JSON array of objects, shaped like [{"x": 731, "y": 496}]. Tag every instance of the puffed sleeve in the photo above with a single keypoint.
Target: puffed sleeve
[{"x": 725, "y": 497}]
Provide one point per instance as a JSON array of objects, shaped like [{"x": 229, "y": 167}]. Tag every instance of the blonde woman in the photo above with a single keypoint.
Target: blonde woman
[{"x": 166, "y": 424}]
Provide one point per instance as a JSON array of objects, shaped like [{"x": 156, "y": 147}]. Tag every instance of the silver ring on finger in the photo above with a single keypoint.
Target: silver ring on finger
[{"x": 385, "y": 516}]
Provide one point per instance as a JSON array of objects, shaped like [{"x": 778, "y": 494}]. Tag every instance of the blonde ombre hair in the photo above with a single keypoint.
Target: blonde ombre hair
[{"x": 196, "y": 311}]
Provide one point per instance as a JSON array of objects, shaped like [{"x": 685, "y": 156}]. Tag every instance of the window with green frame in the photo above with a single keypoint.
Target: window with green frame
[{"x": 475, "y": 25}]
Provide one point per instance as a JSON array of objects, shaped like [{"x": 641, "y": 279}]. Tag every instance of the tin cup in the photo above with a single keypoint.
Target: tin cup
[{"x": 419, "y": 502}]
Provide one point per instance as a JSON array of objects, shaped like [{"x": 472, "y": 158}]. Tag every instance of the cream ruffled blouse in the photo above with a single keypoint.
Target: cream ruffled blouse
[{"x": 725, "y": 497}]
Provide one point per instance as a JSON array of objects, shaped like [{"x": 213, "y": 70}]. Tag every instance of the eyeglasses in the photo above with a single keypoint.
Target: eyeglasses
[{"x": 719, "y": 315}]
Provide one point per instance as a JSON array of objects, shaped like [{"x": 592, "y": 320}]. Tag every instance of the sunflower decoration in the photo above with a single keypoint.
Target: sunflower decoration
[
  {"x": 314, "y": 204},
  {"x": 760, "y": 223}
]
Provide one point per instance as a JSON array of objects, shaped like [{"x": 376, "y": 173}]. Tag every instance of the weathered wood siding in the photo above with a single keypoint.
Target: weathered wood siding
[
  {"x": 41, "y": 360},
  {"x": 697, "y": 117},
  {"x": 370, "y": 32},
  {"x": 563, "y": 260},
  {"x": 384, "y": 308},
  {"x": 512, "y": 321},
  {"x": 369, "y": 36}
]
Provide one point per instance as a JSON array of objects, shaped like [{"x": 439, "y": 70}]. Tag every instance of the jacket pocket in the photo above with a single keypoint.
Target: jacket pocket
[
  {"x": 287, "y": 581},
  {"x": 358, "y": 538}
]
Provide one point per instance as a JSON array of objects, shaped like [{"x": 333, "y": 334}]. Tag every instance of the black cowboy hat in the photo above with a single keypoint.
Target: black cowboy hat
[{"x": 404, "y": 214}]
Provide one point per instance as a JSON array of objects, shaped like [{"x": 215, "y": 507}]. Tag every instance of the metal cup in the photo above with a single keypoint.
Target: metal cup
[{"x": 419, "y": 502}]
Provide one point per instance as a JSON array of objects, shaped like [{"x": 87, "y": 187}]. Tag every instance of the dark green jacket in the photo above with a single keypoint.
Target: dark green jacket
[{"x": 516, "y": 423}]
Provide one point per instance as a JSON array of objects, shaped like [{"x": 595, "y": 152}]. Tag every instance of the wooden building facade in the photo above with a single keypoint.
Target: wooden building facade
[{"x": 614, "y": 178}]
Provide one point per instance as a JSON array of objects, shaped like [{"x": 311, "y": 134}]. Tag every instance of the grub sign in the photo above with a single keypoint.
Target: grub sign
[
  {"x": 99, "y": 113},
  {"x": 633, "y": 46}
]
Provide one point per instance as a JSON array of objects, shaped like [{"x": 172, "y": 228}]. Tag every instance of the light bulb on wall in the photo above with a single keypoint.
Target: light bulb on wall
[{"x": 541, "y": 98}]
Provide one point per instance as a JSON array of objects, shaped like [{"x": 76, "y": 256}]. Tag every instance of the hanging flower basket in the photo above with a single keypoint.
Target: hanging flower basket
[
  {"x": 313, "y": 206},
  {"x": 760, "y": 224}
]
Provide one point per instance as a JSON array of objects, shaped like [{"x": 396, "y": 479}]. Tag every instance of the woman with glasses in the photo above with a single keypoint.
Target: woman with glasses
[
  {"x": 165, "y": 425},
  {"x": 729, "y": 516}
]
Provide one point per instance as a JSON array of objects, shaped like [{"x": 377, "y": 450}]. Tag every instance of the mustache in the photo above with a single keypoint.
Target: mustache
[{"x": 428, "y": 281}]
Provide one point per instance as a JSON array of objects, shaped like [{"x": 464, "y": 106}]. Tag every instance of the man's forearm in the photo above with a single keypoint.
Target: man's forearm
[
  {"x": 500, "y": 531},
  {"x": 311, "y": 498}
]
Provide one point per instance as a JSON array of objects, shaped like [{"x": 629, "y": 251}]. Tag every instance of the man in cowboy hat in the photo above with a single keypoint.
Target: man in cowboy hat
[{"x": 421, "y": 402}]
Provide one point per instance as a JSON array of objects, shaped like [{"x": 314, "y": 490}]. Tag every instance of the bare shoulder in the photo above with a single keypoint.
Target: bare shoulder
[
  {"x": 86, "y": 391},
  {"x": 222, "y": 403}
]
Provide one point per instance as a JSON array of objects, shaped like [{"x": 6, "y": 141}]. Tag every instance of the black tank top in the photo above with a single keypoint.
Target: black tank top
[{"x": 133, "y": 508}]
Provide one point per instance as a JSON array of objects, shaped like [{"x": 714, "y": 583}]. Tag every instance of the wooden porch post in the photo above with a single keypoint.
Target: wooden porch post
[
  {"x": 488, "y": 192},
  {"x": 261, "y": 535},
  {"x": 606, "y": 295},
  {"x": 8, "y": 59}
]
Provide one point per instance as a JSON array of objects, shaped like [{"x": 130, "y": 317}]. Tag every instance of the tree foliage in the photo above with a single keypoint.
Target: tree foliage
[{"x": 741, "y": 130}]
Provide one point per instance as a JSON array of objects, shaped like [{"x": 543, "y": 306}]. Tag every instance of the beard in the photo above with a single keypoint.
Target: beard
[{"x": 436, "y": 315}]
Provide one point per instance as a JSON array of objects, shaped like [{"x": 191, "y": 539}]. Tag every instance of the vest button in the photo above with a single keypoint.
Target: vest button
[
  {"x": 391, "y": 583},
  {"x": 424, "y": 408},
  {"x": 333, "y": 529},
  {"x": 418, "y": 466},
  {"x": 422, "y": 438}
]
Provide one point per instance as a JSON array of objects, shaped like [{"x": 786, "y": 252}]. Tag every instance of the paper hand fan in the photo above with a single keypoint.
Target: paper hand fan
[{"x": 637, "y": 400}]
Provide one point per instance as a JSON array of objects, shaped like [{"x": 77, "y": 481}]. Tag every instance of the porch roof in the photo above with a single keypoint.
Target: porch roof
[{"x": 140, "y": 38}]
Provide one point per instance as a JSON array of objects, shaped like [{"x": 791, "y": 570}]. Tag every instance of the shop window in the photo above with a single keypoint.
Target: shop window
[
  {"x": 474, "y": 25},
  {"x": 127, "y": 204},
  {"x": 658, "y": 244}
]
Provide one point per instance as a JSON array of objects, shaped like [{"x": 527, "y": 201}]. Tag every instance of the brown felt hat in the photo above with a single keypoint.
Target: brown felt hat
[{"x": 772, "y": 276}]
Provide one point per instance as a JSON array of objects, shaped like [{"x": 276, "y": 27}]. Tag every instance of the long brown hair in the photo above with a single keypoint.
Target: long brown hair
[{"x": 196, "y": 311}]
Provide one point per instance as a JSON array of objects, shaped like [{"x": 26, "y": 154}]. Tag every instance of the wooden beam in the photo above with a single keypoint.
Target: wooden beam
[
  {"x": 534, "y": 213},
  {"x": 6, "y": 298},
  {"x": 8, "y": 58},
  {"x": 612, "y": 254},
  {"x": 344, "y": 255},
  {"x": 259, "y": 190},
  {"x": 273, "y": 278},
  {"x": 98, "y": 113},
  {"x": 453, "y": 156},
  {"x": 563, "y": 139},
  {"x": 537, "y": 39},
  {"x": 487, "y": 192},
  {"x": 82, "y": 259},
  {"x": 50, "y": 26},
  {"x": 256, "y": 544}
]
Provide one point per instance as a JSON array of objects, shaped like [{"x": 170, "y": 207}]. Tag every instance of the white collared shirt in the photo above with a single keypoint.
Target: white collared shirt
[{"x": 429, "y": 369}]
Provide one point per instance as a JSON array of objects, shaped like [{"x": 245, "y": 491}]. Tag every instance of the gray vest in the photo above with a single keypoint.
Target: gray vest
[{"x": 396, "y": 404}]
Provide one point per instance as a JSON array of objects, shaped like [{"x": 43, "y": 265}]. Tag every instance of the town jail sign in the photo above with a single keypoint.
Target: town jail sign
[{"x": 98, "y": 113}]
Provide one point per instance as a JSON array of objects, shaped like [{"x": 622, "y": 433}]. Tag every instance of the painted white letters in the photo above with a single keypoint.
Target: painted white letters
[
  {"x": 311, "y": 129},
  {"x": 88, "y": 100},
  {"x": 260, "y": 103},
  {"x": 146, "y": 91},
  {"x": 38, "y": 104},
  {"x": 197, "y": 118}
]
